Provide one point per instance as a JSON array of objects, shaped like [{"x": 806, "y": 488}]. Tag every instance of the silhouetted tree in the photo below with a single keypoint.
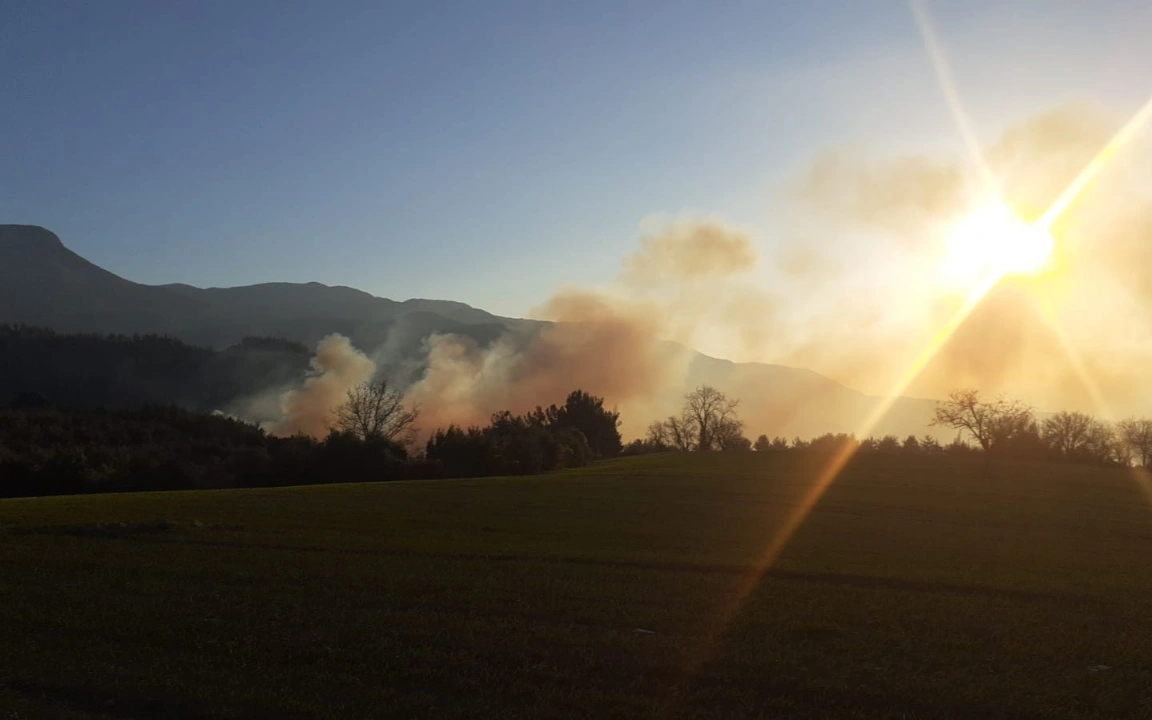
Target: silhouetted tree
[
  {"x": 762, "y": 444},
  {"x": 728, "y": 436},
  {"x": 460, "y": 452},
  {"x": 1104, "y": 446},
  {"x": 989, "y": 423},
  {"x": 707, "y": 422},
  {"x": 509, "y": 445},
  {"x": 643, "y": 446},
  {"x": 1077, "y": 437},
  {"x": 586, "y": 413},
  {"x": 1066, "y": 433},
  {"x": 674, "y": 434},
  {"x": 712, "y": 415},
  {"x": 1018, "y": 436},
  {"x": 132, "y": 371},
  {"x": 1136, "y": 434},
  {"x": 830, "y": 443},
  {"x": 374, "y": 410},
  {"x": 888, "y": 444},
  {"x": 958, "y": 447}
]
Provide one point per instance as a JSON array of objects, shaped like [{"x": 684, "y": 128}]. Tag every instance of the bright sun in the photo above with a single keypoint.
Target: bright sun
[{"x": 993, "y": 240}]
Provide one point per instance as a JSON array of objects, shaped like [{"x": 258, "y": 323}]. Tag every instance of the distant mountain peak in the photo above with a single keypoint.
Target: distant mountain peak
[{"x": 30, "y": 236}]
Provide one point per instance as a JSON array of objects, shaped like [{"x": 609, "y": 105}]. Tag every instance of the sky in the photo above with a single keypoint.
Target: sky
[
  {"x": 761, "y": 181},
  {"x": 485, "y": 152}
]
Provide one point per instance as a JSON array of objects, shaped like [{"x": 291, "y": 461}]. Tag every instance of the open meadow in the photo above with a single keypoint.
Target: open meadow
[{"x": 918, "y": 588}]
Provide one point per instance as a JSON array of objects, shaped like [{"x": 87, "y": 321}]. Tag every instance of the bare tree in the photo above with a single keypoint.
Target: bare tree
[
  {"x": 1103, "y": 445},
  {"x": 375, "y": 410},
  {"x": 672, "y": 433},
  {"x": 711, "y": 414},
  {"x": 707, "y": 422},
  {"x": 988, "y": 422},
  {"x": 1067, "y": 432},
  {"x": 729, "y": 435},
  {"x": 659, "y": 434},
  {"x": 1136, "y": 434}
]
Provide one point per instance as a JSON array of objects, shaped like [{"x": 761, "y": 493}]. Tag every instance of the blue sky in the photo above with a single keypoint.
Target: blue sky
[{"x": 486, "y": 152}]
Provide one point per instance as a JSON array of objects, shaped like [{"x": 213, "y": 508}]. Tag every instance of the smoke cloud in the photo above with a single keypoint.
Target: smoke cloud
[
  {"x": 897, "y": 196},
  {"x": 688, "y": 250},
  {"x": 854, "y": 290},
  {"x": 624, "y": 343},
  {"x": 860, "y": 260},
  {"x": 605, "y": 347},
  {"x": 336, "y": 368}
]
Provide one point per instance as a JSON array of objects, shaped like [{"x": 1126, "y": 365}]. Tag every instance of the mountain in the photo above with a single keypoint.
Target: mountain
[
  {"x": 118, "y": 371},
  {"x": 43, "y": 283}
]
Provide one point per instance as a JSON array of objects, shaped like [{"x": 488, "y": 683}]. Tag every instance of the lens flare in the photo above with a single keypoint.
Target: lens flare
[
  {"x": 993, "y": 240},
  {"x": 988, "y": 246}
]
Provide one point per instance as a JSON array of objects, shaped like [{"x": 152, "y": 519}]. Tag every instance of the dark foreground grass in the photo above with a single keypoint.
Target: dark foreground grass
[{"x": 917, "y": 589}]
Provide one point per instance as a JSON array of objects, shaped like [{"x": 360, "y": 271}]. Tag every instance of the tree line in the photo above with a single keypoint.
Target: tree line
[
  {"x": 996, "y": 427},
  {"x": 46, "y": 450},
  {"x": 131, "y": 371},
  {"x": 1002, "y": 427}
]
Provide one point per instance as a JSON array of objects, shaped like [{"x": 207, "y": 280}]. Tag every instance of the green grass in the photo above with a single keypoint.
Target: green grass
[{"x": 917, "y": 589}]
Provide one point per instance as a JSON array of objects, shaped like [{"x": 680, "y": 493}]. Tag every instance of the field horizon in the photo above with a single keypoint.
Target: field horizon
[{"x": 918, "y": 587}]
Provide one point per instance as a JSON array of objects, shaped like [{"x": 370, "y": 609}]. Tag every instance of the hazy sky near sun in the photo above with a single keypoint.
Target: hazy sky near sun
[{"x": 489, "y": 152}]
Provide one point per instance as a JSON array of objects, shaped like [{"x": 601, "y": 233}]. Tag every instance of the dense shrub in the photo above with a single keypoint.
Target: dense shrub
[
  {"x": 510, "y": 445},
  {"x": 120, "y": 371},
  {"x": 46, "y": 451},
  {"x": 52, "y": 451}
]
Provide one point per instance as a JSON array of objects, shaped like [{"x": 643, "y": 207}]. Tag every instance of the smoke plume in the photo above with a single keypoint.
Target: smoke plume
[
  {"x": 614, "y": 342},
  {"x": 336, "y": 368},
  {"x": 897, "y": 196},
  {"x": 603, "y": 347},
  {"x": 688, "y": 250},
  {"x": 859, "y": 253}
]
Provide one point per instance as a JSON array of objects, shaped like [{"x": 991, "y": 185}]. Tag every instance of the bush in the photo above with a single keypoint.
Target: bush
[
  {"x": 510, "y": 445},
  {"x": 45, "y": 451}
]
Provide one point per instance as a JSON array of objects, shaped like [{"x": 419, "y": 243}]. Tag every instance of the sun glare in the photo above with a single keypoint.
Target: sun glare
[{"x": 994, "y": 241}]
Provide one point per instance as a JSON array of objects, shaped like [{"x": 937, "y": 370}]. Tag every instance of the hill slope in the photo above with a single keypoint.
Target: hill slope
[{"x": 122, "y": 372}]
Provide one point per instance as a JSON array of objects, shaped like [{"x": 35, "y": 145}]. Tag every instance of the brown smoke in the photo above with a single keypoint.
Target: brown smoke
[
  {"x": 612, "y": 344},
  {"x": 863, "y": 298},
  {"x": 604, "y": 347},
  {"x": 688, "y": 250},
  {"x": 894, "y": 196},
  {"x": 336, "y": 368}
]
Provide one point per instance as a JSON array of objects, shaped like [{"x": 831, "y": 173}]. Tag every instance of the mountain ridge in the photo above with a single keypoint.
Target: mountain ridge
[{"x": 44, "y": 283}]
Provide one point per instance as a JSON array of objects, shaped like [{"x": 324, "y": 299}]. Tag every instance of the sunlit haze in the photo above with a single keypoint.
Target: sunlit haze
[
  {"x": 841, "y": 152},
  {"x": 521, "y": 359},
  {"x": 991, "y": 240}
]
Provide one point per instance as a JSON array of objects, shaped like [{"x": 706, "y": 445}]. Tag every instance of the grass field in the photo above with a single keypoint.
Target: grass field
[{"x": 917, "y": 589}]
